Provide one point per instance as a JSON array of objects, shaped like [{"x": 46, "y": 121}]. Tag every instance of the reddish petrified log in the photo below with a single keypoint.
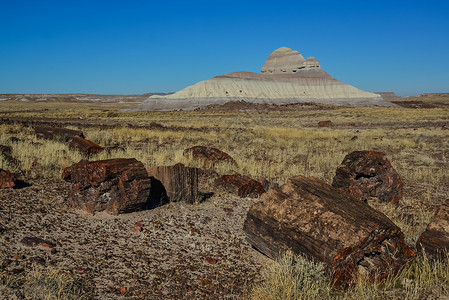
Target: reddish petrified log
[
  {"x": 116, "y": 185},
  {"x": 85, "y": 146},
  {"x": 56, "y": 133},
  {"x": 209, "y": 156},
  {"x": 435, "y": 239},
  {"x": 307, "y": 216},
  {"x": 180, "y": 182},
  {"x": 366, "y": 174},
  {"x": 7, "y": 179},
  {"x": 240, "y": 185},
  {"x": 327, "y": 123}
]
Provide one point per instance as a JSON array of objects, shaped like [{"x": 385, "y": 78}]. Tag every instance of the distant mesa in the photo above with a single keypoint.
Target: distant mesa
[{"x": 285, "y": 78}]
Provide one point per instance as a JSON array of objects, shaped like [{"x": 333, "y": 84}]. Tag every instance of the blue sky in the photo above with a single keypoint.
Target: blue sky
[{"x": 136, "y": 47}]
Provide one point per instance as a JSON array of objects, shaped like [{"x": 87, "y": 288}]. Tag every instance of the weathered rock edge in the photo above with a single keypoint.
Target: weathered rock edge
[
  {"x": 435, "y": 239},
  {"x": 307, "y": 216},
  {"x": 116, "y": 186}
]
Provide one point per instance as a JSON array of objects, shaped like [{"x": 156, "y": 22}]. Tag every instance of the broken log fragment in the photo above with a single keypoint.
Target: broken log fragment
[
  {"x": 366, "y": 174},
  {"x": 85, "y": 146},
  {"x": 57, "y": 133},
  {"x": 209, "y": 156},
  {"x": 307, "y": 216},
  {"x": 435, "y": 239},
  {"x": 240, "y": 185},
  {"x": 180, "y": 182},
  {"x": 7, "y": 179},
  {"x": 116, "y": 186}
]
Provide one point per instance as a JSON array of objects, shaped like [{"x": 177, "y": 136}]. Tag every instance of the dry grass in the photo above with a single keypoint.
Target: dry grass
[
  {"x": 275, "y": 145},
  {"x": 48, "y": 284}
]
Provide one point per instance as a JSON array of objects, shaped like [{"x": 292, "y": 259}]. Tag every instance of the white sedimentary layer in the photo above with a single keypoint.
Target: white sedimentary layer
[{"x": 286, "y": 78}]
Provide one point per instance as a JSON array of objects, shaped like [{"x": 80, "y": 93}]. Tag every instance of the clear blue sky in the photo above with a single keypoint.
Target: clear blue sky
[{"x": 136, "y": 47}]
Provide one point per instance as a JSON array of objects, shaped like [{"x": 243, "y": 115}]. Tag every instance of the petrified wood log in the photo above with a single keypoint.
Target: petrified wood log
[
  {"x": 180, "y": 182},
  {"x": 435, "y": 239},
  {"x": 56, "y": 133},
  {"x": 367, "y": 174},
  {"x": 209, "y": 156},
  {"x": 85, "y": 146},
  {"x": 307, "y": 216},
  {"x": 7, "y": 179},
  {"x": 327, "y": 123},
  {"x": 116, "y": 185},
  {"x": 240, "y": 185}
]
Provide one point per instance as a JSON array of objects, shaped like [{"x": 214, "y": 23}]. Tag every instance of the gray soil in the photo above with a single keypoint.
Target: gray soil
[{"x": 182, "y": 252}]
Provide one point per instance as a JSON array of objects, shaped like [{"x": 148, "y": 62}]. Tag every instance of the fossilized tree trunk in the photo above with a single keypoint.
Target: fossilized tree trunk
[
  {"x": 179, "y": 182},
  {"x": 116, "y": 185},
  {"x": 307, "y": 216},
  {"x": 49, "y": 132}
]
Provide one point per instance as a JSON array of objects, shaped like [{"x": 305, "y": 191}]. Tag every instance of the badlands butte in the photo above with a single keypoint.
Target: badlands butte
[{"x": 285, "y": 78}]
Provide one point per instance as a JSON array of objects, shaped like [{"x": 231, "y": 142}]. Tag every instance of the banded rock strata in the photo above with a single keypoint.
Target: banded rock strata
[{"x": 285, "y": 78}]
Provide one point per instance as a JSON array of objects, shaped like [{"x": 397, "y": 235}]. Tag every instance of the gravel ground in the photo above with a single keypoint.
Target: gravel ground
[{"x": 177, "y": 251}]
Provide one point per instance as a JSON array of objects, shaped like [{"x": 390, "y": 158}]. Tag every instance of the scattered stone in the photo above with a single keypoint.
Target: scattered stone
[
  {"x": 435, "y": 239},
  {"x": 366, "y": 174},
  {"x": 209, "y": 156},
  {"x": 123, "y": 290},
  {"x": 240, "y": 185},
  {"x": 37, "y": 260},
  {"x": 327, "y": 123},
  {"x": 85, "y": 146},
  {"x": 57, "y": 133},
  {"x": 138, "y": 227},
  {"x": 7, "y": 179},
  {"x": 178, "y": 183},
  {"x": 309, "y": 217},
  {"x": 32, "y": 241},
  {"x": 211, "y": 260},
  {"x": 116, "y": 186}
]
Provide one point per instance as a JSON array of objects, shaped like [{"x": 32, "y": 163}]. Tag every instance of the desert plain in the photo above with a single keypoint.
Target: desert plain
[{"x": 196, "y": 251}]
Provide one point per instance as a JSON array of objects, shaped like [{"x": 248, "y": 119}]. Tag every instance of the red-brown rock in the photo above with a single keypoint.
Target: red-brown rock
[
  {"x": 366, "y": 174},
  {"x": 327, "y": 123},
  {"x": 177, "y": 183},
  {"x": 7, "y": 179},
  {"x": 85, "y": 146},
  {"x": 435, "y": 239},
  {"x": 309, "y": 217},
  {"x": 209, "y": 156},
  {"x": 240, "y": 185},
  {"x": 31, "y": 241},
  {"x": 116, "y": 186},
  {"x": 57, "y": 133}
]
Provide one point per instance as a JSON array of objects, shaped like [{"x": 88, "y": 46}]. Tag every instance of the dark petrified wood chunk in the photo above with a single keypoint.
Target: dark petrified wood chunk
[
  {"x": 240, "y": 185},
  {"x": 56, "y": 133},
  {"x": 85, "y": 146},
  {"x": 367, "y": 174},
  {"x": 7, "y": 179},
  {"x": 327, "y": 123},
  {"x": 180, "y": 182},
  {"x": 116, "y": 185},
  {"x": 307, "y": 216},
  {"x": 209, "y": 156},
  {"x": 435, "y": 239}
]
